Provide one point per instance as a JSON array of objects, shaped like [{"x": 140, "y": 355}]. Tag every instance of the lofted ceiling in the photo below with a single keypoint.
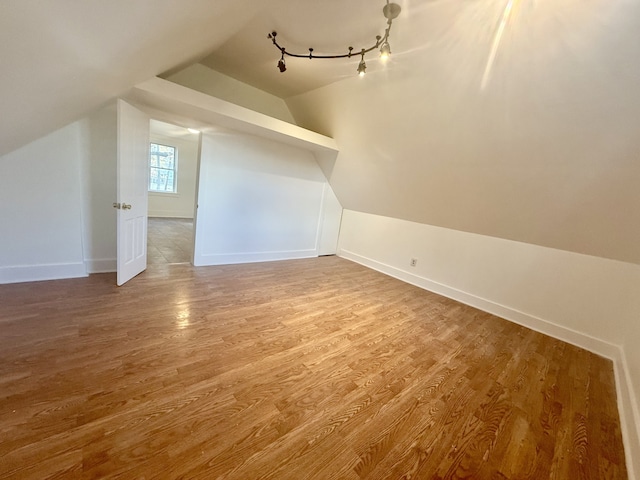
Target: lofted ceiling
[
  {"x": 330, "y": 27},
  {"x": 62, "y": 59},
  {"x": 467, "y": 39},
  {"x": 513, "y": 118}
]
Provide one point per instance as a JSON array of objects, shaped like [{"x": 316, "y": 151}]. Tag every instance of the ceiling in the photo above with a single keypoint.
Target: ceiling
[
  {"x": 62, "y": 59},
  {"x": 330, "y": 27},
  {"x": 476, "y": 36},
  {"x": 170, "y": 130},
  {"x": 511, "y": 118}
]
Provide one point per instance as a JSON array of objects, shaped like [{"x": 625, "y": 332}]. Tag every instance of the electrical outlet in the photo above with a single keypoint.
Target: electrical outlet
[{"x": 414, "y": 262}]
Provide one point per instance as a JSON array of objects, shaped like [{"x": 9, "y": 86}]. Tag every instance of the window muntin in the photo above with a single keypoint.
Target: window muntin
[{"x": 163, "y": 168}]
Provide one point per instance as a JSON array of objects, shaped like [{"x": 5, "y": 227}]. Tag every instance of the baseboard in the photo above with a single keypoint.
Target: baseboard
[
  {"x": 170, "y": 214},
  {"x": 35, "y": 273},
  {"x": 234, "y": 258},
  {"x": 627, "y": 402},
  {"x": 568, "y": 335},
  {"x": 629, "y": 415},
  {"x": 101, "y": 265}
]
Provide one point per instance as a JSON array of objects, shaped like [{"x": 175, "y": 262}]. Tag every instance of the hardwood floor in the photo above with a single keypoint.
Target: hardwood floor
[{"x": 306, "y": 369}]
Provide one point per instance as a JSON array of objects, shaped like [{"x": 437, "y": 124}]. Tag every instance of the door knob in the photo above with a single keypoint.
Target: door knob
[{"x": 126, "y": 207}]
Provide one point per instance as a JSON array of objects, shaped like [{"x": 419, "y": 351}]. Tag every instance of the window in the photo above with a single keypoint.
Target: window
[{"x": 163, "y": 168}]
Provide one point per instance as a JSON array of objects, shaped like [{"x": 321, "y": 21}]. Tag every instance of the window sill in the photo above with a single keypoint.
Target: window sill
[{"x": 163, "y": 194}]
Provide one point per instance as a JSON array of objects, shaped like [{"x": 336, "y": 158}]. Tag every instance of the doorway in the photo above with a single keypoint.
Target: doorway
[{"x": 170, "y": 221}]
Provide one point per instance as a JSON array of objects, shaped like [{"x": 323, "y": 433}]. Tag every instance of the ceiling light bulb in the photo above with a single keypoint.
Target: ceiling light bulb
[
  {"x": 282, "y": 66},
  {"x": 362, "y": 68},
  {"x": 385, "y": 51}
]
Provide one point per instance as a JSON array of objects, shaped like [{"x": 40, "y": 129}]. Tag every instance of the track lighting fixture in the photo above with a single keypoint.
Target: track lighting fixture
[{"x": 390, "y": 11}]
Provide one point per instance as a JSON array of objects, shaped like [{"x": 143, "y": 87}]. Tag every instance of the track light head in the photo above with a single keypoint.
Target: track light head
[
  {"x": 362, "y": 67},
  {"x": 385, "y": 51}
]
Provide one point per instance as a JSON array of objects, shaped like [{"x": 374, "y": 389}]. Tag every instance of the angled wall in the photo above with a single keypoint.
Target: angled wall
[
  {"x": 203, "y": 79},
  {"x": 261, "y": 200},
  {"x": 41, "y": 211}
]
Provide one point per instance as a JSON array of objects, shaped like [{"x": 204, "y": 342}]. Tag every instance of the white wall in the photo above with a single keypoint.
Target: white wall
[
  {"x": 56, "y": 202},
  {"x": 589, "y": 301},
  {"x": 546, "y": 153},
  {"x": 182, "y": 203},
  {"x": 330, "y": 222},
  {"x": 205, "y": 80},
  {"x": 40, "y": 209},
  {"x": 99, "y": 189},
  {"x": 259, "y": 200}
]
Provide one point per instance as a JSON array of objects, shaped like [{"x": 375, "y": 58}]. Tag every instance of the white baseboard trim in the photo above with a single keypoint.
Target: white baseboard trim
[
  {"x": 35, "y": 273},
  {"x": 234, "y": 258},
  {"x": 568, "y": 335},
  {"x": 101, "y": 265},
  {"x": 169, "y": 214},
  {"x": 629, "y": 415},
  {"x": 627, "y": 402}
]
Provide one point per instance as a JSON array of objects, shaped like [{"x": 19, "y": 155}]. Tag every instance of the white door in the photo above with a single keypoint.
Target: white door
[{"x": 131, "y": 196}]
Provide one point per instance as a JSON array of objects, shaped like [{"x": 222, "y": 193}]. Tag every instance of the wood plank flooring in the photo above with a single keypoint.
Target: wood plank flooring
[{"x": 306, "y": 369}]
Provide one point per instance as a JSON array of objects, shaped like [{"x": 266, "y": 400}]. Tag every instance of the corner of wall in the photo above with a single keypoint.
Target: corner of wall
[
  {"x": 629, "y": 414},
  {"x": 381, "y": 243},
  {"x": 627, "y": 403},
  {"x": 102, "y": 265}
]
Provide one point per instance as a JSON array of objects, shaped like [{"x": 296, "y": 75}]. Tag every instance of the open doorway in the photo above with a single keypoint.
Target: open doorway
[{"x": 172, "y": 193}]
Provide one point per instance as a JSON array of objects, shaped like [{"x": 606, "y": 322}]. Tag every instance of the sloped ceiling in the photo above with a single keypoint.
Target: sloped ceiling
[
  {"x": 61, "y": 59},
  {"x": 543, "y": 147},
  {"x": 518, "y": 119},
  {"x": 330, "y": 27}
]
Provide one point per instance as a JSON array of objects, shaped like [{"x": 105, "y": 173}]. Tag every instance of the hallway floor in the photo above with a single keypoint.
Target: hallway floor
[{"x": 169, "y": 240}]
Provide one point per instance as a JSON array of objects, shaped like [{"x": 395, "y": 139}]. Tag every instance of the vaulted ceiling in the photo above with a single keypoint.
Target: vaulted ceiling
[{"x": 518, "y": 119}]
